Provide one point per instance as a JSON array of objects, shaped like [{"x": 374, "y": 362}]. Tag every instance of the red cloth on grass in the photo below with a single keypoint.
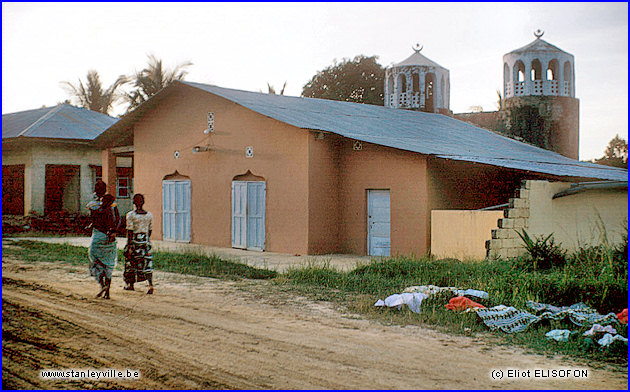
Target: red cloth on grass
[
  {"x": 461, "y": 303},
  {"x": 623, "y": 316}
]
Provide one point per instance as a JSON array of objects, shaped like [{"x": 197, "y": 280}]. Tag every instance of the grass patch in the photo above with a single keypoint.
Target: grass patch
[
  {"x": 506, "y": 282},
  {"x": 213, "y": 266},
  {"x": 37, "y": 233},
  {"x": 184, "y": 263},
  {"x": 35, "y": 251}
]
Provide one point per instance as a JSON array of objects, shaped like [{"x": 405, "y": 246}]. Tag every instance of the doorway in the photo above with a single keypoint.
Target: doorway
[
  {"x": 378, "y": 239},
  {"x": 248, "y": 215}
]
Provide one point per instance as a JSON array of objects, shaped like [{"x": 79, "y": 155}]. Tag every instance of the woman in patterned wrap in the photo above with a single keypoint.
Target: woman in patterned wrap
[
  {"x": 103, "y": 253},
  {"x": 138, "y": 255}
]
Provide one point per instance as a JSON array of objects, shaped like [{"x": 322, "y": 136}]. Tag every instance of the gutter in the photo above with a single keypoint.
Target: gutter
[{"x": 587, "y": 186}]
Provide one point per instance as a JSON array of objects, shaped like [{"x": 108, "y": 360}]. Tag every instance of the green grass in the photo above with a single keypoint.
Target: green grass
[
  {"x": 585, "y": 278},
  {"x": 596, "y": 276},
  {"x": 37, "y": 233},
  {"x": 191, "y": 263},
  {"x": 183, "y": 263},
  {"x": 35, "y": 251}
]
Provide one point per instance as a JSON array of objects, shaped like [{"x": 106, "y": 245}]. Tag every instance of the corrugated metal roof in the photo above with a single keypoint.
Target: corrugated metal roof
[
  {"x": 538, "y": 45},
  {"x": 425, "y": 133},
  {"x": 59, "y": 122}
]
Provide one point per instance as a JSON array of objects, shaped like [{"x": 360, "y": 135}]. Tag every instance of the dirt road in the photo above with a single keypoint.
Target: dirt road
[{"x": 206, "y": 333}]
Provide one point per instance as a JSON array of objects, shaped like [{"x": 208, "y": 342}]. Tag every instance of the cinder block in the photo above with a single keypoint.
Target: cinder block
[
  {"x": 518, "y": 213},
  {"x": 515, "y": 252},
  {"x": 510, "y": 233},
  {"x": 505, "y": 223},
  {"x": 511, "y": 243},
  {"x": 519, "y": 203},
  {"x": 521, "y": 223},
  {"x": 495, "y": 243},
  {"x": 493, "y": 254}
]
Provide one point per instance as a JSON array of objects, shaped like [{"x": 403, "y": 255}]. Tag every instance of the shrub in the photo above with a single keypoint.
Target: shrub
[{"x": 543, "y": 252}]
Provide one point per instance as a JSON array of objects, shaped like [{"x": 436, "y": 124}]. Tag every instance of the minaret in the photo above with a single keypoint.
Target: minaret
[
  {"x": 418, "y": 83},
  {"x": 539, "y": 96}
]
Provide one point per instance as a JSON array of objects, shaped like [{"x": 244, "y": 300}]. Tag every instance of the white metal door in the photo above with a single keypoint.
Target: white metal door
[
  {"x": 248, "y": 215},
  {"x": 256, "y": 215},
  {"x": 239, "y": 214},
  {"x": 379, "y": 241},
  {"x": 176, "y": 211}
]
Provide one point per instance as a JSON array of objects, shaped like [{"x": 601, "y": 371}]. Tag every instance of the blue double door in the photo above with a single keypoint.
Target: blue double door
[
  {"x": 248, "y": 215},
  {"x": 176, "y": 210}
]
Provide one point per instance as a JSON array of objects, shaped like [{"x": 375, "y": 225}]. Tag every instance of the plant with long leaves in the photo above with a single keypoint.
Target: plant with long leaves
[
  {"x": 92, "y": 95},
  {"x": 150, "y": 80},
  {"x": 544, "y": 253}
]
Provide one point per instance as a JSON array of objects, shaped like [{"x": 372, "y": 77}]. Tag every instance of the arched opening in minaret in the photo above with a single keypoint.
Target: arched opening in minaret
[
  {"x": 553, "y": 70},
  {"x": 519, "y": 71},
  {"x": 536, "y": 70},
  {"x": 519, "y": 78},
  {"x": 506, "y": 73},
  {"x": 402, "y": 83},
  {"x": 568, "y": 78},
  {"x": 390, "y": 85},
  {"x": 415, "y": 82},
  {"x": 442, "y": 105},
  {"x": 429, "y": 84}
]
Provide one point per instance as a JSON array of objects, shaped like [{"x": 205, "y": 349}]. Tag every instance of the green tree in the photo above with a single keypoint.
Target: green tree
[
  {"x": 147, "y": 82},
  {"x": 92, "y": 95},
  {"x": 616, "y": 153},
  {"x": 354, "y": 80}
]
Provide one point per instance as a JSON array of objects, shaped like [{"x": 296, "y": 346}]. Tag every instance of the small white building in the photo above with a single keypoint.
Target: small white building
[
  {"x": 538, "y": 68},
  {"x": 49, "y": 163},
  {"x": 418, "y": 83}
]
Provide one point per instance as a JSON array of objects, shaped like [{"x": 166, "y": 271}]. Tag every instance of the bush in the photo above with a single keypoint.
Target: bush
[{"x": 544, "y": 254}]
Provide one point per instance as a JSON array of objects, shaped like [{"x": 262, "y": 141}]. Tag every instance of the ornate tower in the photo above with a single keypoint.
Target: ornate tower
[
  {"x": 418, "y": 83},
  {"x": 539, "y": 97}
]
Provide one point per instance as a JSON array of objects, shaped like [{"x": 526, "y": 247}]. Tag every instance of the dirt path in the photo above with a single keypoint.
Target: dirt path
[{"x": 205, "y": 333}]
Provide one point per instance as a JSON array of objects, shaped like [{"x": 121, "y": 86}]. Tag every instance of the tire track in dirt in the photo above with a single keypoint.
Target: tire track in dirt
[{"x": 204, "y": 333}]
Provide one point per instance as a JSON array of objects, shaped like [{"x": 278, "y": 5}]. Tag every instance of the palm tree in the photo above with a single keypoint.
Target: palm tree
[
  {"x": 150, "y": 80},
  {"x": 92, "y": 96},
  {"x": 272, "y": 90}
]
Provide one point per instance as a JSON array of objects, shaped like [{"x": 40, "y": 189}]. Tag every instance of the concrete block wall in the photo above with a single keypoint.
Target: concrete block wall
[
  {"x": 505, "y": 242},
  {"x": 579, "y": 220}
]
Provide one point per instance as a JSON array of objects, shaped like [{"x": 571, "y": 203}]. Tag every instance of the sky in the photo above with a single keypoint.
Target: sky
[{"x": 247, "y": 45}]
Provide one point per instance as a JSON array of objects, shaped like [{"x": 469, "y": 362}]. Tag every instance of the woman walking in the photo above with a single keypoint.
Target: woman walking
[
  {"x": 138, "y": 255},
  {"x": 103, "y": 254}
]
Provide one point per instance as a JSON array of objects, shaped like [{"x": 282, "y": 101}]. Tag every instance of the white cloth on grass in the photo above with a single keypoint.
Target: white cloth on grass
[
  {"x": 412, "y": 296},
  {"x": 598, "y": 328},
  {"x": 413, "y": 300},
  {"x": 609, "y": 338},
  {"x": 431, "y": 289},
  {"x": 560, "y": 335}
]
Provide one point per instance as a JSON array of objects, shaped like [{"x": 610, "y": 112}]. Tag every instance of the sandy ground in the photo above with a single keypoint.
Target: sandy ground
[{"x": 201, "y": 333}]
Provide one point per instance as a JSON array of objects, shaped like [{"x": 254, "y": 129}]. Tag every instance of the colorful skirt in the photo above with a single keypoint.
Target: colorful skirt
[
  {"x": 138, "y": 259},
  {"x": 102, "y": 255}
]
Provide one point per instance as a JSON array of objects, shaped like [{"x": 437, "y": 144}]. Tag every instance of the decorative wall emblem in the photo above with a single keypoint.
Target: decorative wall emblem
[
  {"x": 249, "y": 152},
  {"x": 357, "y": 146},
  {"x": 210, "y": 128},
  {"x": 176, "y": 154}
]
